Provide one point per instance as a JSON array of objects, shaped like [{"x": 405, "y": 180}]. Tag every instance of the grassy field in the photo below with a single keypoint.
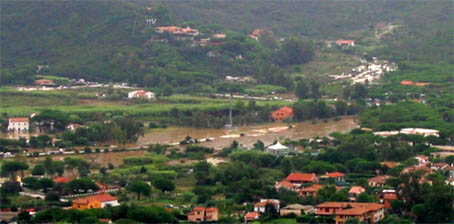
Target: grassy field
[
  {"x": 16, "y": 103},
  {"x": 328, "y": 63}
]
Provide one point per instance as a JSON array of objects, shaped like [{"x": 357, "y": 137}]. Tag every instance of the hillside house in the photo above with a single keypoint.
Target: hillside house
[
  {"x": 378, "y": 181},
  {"x": 420, "y": 131},
  {"x": 44, "y": 82},
  {"x": 350, "y": 43},
  {"x": 354, "y": 192},
  {"x": 219, "y": 35},
  {"x": 297, "y": 209},
  {"x": 298, "y": 179},
  {"x": 257, "y": 33},
  {"x": 240, "y": 79},
  {"x": 95, "y": 201},
  {"x": 141, "y": 94},
  {"x": 282, "y": 114},
  {"x": 203, "y": 214},
  {"x": 337, "y": 176},
  {"x": 261, "y": 206},
  {"x": 286, "y": 185},
  {"x": 176, "y": 30},
  {"x": 19, "y": 124},
  {"x": 251, "y": 216},
  {"x": 422, "y": 160},
  {"x": 364, "y": 212},
  {"x": 310, "y": 191},
  {"x": 387, "y": 196}
]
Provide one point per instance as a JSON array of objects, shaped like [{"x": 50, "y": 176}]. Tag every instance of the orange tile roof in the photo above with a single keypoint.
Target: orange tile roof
[
  {"x": 305, "y": 177},
  {"x": 251, "y": 215},
  {"x": 351, "y": 208},
  {"x": 335, "y": 174},
  {"x": 99, "y": 198},
  {"x": 19, "y": 119},
  {"x": 285, "y": 183},
  {"x": 345, "y": 41},
  {"x": 312, "y": 188},
  {"x": 283, "y": 113},
  {"x": 62, "y": 180},
  {"x": 390, "y": 164},
  {"x": 199, "y": 209}
]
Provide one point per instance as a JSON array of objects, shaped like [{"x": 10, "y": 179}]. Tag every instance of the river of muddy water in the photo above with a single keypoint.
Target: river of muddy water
[{"x": 267, "y": 133}]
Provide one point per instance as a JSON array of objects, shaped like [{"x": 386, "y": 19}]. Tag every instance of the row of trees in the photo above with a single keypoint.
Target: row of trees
[{"x": 121, "y": 130}]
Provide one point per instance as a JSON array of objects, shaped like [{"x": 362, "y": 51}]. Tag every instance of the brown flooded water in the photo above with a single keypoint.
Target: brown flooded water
[{"x": 264, "y": 132}]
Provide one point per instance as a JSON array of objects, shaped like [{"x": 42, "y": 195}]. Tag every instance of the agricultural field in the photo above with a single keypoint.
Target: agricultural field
[{"x": 17, "y": 103}]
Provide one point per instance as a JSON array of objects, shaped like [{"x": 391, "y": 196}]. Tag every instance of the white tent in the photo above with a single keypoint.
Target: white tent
[{"x": 277, "y": 146}]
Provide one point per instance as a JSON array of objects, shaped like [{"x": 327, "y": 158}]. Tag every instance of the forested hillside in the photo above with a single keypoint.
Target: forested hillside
[
  {"x": 111, "y": 41},
  {"x": 425, "y": 27}
]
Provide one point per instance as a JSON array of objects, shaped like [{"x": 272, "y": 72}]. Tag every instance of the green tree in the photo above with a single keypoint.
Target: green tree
[
  {"x": 12, "y": 167},
  {"x": 38, "y": 170},
  {"x": 140, "y": 188},
  {"x": 81, "y": 185},
  {"x": 164, "y": 184}
]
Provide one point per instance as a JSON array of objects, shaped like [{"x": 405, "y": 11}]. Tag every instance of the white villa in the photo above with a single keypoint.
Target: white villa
[
  {"x": 141, "y": 94},
  {"x": 19, "y": 124}
]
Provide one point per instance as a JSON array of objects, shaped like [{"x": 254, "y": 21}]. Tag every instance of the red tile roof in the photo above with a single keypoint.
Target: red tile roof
[
  {"x": 340, "y": 42},
  {"x": 350, "y": 208},
  {"x": 44, "y": 82},
  {"x": 252, "y": 215},
  {"x": 283, "y": 113},
  {"x": 99, "y": 197},
  {"x": 19, "y": 119},
  {"x": 335, "y": 174},
  {"x": 313, "y": 188},
  {"x": 302, "y": 177},
  {"x": 199, "y": 209},
  {"x": 285, "y": 184},
  {"x": 62, "y": 180}
]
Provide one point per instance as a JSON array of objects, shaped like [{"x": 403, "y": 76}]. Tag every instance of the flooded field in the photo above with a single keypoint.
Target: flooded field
[{"x": 264, "y": 132}]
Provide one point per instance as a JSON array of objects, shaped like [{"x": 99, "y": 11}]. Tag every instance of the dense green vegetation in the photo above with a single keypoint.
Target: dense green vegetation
[
  {"x": 423, "y": 33},
  {"x": 77, "y": 45}
]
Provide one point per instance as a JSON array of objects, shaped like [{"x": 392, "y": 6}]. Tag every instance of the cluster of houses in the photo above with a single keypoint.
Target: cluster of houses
[
  {"x": 187, "y": 33},
  {"x": 176, "y": 30},
  {"x": 309, "y": 184},
  {"x": 367, "y": 72}
]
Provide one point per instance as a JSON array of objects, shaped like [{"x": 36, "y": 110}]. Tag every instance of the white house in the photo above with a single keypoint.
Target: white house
[
  {"x": 19, "y": 124},
  {"x": 420, "y": 131},
  {"x": 141, "y": 94},
  {"x": 422, "y": 160}
]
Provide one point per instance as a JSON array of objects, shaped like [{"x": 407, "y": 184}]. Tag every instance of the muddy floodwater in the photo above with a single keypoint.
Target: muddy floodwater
[{"x": 265, "y": 132}]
